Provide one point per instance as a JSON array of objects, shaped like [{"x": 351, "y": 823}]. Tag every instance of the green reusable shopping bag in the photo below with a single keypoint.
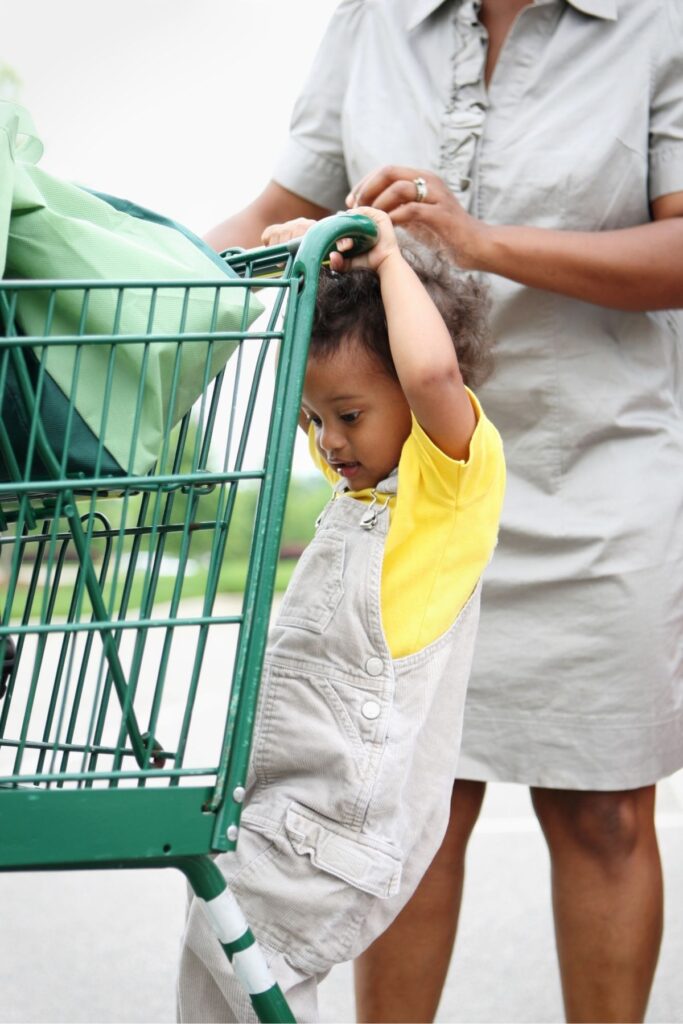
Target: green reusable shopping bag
[{"x": 52, "y": 229}]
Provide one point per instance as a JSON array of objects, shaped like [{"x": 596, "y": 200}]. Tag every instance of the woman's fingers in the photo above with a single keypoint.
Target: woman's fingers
[
  {"x": 422, "y": 202},
  {"x": 392, "y": 186},
  {"x": 398, "y": 194},
  {"x": 365, "y": 192},
  {"x": 446, "y": 224},
  {"x": 415, "y": 214}
]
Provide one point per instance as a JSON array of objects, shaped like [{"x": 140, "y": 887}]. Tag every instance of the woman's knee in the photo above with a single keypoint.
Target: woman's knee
[
  {"x": 466, "y": 802},
  {"x": 607, "y": 826}
]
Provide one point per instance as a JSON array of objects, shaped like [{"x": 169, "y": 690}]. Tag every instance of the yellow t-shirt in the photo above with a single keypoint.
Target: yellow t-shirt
[{"x": 443, "y": 529}]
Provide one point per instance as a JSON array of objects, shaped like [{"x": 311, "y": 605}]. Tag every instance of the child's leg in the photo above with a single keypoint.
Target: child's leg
[{"x": 202, "y": 1000}]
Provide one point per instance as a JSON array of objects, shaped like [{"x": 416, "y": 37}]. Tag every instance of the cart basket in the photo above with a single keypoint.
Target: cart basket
[{"x": 128, "y": 677}]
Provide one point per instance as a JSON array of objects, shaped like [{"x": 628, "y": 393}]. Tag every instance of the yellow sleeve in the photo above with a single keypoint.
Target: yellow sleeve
[
  {"x": 442, "y": 534},
  {"x": 455, "y": 481}
]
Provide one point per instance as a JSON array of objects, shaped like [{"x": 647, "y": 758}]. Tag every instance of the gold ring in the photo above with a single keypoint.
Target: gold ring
[{"x": 420, "y": 189}]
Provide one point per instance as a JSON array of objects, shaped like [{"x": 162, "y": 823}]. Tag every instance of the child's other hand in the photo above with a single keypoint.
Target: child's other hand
[
  {"x": 385, "y": 245},
  {"x": 277, "y": 234}
]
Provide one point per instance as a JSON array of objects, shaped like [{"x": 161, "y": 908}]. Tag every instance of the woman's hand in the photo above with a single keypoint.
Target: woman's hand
[
  {"x": 637, "y": 268},
  {"x": 423, "y": 203}
]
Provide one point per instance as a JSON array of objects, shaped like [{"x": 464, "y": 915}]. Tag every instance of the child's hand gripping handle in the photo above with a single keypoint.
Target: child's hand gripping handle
[
  {"x": 312, "y": 240},
  {"x": 321, "y": 238}
]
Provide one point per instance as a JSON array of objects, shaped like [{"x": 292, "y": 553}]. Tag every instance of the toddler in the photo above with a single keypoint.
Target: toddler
[{"x": 357, "y": 734}]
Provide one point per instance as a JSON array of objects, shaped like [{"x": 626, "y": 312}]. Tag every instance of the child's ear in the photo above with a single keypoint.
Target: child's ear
[{"x": 304, "y": 421}]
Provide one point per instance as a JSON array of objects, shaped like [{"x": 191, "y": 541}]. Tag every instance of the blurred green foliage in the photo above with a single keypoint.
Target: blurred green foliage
[
  {"x": 306, "y": 497},
  {"x": 10, "y": 83}
]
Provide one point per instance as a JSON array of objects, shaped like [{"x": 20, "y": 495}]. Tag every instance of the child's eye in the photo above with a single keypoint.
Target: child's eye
[
  {"x": 315, "y": 420},
  {"x": 349, "y": 417}
]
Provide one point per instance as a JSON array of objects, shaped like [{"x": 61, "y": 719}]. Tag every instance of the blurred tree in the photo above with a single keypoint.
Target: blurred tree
[
  {"x": 305, "y": 499},
  {"x": 10, "y": 83}
]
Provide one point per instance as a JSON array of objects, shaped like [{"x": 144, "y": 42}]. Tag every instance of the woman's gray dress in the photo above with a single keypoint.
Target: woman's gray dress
[{"x": 578, "y": 677}]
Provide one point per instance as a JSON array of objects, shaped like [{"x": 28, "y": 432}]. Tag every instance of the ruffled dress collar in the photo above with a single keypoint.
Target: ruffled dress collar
[{"x": 463, "y": 119}]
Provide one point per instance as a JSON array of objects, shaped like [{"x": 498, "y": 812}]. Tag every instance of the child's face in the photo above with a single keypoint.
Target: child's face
[{"x": 360, "y": 414}]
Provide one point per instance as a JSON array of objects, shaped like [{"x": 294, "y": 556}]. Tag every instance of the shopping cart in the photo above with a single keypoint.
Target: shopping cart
[{"x": 129, "y": 682}]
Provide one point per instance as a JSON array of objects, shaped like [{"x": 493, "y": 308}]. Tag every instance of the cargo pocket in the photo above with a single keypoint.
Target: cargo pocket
[
  {"x": 316, "y": 586},
  {"x": 348, "y": 855},
  {"x": 312, "y": 899}
]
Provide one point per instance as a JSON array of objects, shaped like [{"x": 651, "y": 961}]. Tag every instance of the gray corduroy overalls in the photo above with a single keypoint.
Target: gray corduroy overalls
[{"x": 352, "y": 768}]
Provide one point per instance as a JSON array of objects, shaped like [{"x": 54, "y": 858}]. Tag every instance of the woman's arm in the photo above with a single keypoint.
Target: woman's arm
[
  {"x": 245, "y": 228},
  {"x": 635, "y": 269}
]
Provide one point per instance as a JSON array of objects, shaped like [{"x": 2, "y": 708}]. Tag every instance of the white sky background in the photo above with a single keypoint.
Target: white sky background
[{"x": 179, "y": 106}]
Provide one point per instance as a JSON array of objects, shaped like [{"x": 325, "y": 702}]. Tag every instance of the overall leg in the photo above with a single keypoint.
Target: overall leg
[
  {"x": 224, "y": 974},
  {"x": 607, "y": 898},
  {"x": 201, "y": 1000},
  {"x": 400, "y": 977}
]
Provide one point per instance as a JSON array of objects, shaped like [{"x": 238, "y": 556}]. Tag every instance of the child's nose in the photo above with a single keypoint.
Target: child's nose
[{"x": 331, "y": 439}]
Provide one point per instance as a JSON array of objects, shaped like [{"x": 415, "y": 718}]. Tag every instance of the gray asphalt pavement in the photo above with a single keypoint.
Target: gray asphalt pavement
[{"x": 101, "y": 946}]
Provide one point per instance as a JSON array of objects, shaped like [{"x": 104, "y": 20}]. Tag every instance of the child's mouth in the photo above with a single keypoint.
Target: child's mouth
[{"x": 346, "y": 469}]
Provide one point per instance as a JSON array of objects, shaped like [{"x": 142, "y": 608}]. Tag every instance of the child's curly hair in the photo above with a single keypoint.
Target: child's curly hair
[{"x": 350, "y": 305}]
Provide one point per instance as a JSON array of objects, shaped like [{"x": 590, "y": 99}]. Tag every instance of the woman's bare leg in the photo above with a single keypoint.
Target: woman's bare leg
[
  {"x": 607, "y": 898},
  {"x": 400, "y": 977}
]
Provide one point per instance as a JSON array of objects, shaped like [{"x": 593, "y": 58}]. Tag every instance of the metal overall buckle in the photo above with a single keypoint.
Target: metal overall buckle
[
  {"x": 368, "y": 520},
  {"x": 336, "y": 493}
]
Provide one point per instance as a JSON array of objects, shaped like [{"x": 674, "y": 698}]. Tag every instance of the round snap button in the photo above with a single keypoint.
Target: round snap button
[
  {"x": 374, "y": 666},
  {"x": 370, "y": 709}
]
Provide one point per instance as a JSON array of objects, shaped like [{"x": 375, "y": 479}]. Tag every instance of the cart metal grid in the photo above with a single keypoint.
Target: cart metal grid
[{"x": 129, "y": 686}]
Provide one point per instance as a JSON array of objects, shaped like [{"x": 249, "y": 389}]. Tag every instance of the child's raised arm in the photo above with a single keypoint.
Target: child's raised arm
[{"x": 421, "y": 347}]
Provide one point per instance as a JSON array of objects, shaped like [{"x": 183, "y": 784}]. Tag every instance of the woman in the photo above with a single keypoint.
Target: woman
[{"x": 542, "y": 143}]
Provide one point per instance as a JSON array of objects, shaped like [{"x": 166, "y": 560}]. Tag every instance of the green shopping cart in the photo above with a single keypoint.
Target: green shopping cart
[{"x": 122, "y": 744}]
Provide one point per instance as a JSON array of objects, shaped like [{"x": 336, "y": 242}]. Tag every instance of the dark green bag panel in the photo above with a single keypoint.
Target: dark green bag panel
[{"x": 54, "y": 410}]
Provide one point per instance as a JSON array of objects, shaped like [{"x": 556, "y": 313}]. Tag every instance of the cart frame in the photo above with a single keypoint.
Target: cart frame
[{"x": 149, "y": 814}]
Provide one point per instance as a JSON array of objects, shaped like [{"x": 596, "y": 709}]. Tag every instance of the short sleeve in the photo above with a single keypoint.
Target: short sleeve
[
  {"x": 666, "y": 113},
  {"x": 451, "y": 481},
  {"x": 312, "y": 164}
]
